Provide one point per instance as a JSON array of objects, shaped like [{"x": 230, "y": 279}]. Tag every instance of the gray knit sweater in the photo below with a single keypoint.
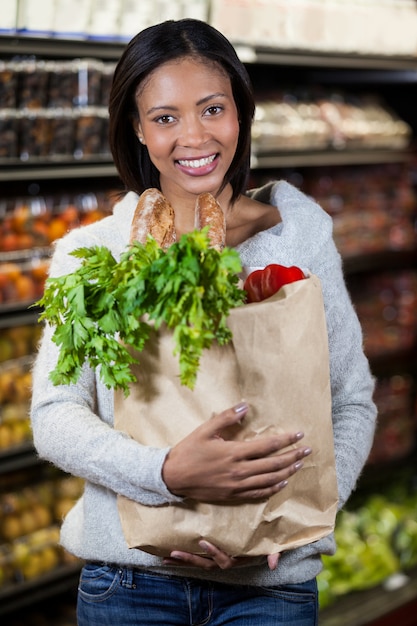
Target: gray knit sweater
[{"x": 72, "y": 425}]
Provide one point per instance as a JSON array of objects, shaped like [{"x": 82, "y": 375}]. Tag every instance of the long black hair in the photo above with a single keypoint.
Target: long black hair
[{"x": 148, "y": 50}]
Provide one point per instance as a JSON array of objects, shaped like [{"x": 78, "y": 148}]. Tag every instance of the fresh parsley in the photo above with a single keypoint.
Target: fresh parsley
[{"x": 106, "y": 306}]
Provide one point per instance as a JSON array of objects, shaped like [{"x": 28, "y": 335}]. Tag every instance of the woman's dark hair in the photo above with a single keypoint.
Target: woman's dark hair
[{"x": 144, "y": 53}]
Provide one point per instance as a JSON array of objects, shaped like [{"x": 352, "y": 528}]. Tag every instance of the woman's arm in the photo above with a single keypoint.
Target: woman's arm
[{"x": 352, "y": 383}]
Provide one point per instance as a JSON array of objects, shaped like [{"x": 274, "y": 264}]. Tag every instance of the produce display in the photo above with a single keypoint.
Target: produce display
[
  {"x": 397, "y": 419},
  {"x": 29, "y": 528},
  {"x": 15, "y": 393},
  {"x": 22, "y": 278},
  {"x": 374, "y": 541},
  {"x": 36, "y": 222},
  {"x": 18, "y": 341},
  {"x": 373, "y": 208},
  {"x": 386, "y": 304}
]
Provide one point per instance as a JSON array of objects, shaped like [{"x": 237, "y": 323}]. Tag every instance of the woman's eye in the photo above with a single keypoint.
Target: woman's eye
[
  {"x": 164, "y": 119},
  {"x": 214, "y": 110}
]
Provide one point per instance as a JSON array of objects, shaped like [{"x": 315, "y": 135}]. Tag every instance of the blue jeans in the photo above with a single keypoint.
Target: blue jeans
[{"x": 116, "y": 596}]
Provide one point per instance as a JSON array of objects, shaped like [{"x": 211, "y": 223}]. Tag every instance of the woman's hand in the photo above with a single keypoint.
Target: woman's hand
[
  {"x": 215, "y": 559},
  {"x": 207, "y": 467}
]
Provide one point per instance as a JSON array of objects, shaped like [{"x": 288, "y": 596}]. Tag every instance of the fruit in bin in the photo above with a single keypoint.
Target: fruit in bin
[
  {"x": 70, "y": 216},
  {"x": 62, "y": 508},
  {"x": 42, "y": 515},
  {"x": 6, "y": 349},
  {"x": 56, "y": 229},
  {"x": 11, "y": 527},
  {"x": 6, "y": 436}
]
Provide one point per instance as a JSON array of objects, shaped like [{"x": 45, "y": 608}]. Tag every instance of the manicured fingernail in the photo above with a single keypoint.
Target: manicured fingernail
[
  {"x": 176, "y": 556},
  {"x": 283, "y": 484},
  {"x": 204, "y": 545},
  {"x": 299, "y": 435},
  {"x": 307, "y": 451},
  {"x": 298, "y": 465},
  {"x": 241, "y": 407}
]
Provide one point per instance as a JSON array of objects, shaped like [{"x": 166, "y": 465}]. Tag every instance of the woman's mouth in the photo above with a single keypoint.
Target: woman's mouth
[{"x": 205, "y": 165}]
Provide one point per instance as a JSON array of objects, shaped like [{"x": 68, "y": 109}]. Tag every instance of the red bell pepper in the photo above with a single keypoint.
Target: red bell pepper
[{"x": 262, "y": 284}]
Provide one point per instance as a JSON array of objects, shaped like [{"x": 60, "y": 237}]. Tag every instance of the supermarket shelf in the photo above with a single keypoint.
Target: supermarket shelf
[
  {"x": 41, "y": 169},
  {"x": 328, "y": 157},
  {"x": 384, "y": 260},
  {"x": 248, "y": 53},
  {"x": 15, "y": 459},
  {"x": 49, "y": 170},
  {"x": 59, "y": 580},
  {"x": 55, "y": 47}
]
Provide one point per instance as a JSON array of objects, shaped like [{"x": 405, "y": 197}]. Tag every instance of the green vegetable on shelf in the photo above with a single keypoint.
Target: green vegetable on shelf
[{"x": 106, "y": 306}]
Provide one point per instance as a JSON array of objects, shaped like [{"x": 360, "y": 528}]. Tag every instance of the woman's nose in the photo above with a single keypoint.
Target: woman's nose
[{"x": 194, "y": 132}]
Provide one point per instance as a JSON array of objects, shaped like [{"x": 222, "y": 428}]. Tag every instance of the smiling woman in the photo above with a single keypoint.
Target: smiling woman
[{"x": 180, "y": 116}]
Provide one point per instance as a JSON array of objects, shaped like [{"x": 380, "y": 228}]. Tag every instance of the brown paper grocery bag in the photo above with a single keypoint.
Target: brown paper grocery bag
[{"x": 278, "y": 362}]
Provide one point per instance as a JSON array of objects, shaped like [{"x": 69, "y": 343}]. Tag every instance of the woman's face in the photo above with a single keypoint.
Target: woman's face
[{"x": 188, "y": 121}]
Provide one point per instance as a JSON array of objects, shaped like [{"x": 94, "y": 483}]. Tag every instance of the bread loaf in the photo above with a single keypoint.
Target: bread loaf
[
  {"x": 208, "y": 212},
  {"x": 153, "y": 216}
]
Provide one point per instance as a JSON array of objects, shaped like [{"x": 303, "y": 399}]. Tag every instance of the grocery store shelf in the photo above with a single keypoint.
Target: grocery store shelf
[
  {"x": 59, "y": 48},
  {"x": 327, "y": 157},
  {"x": 310, "y": 58},
  {"x": 20, "y": 595},
  {"x": 41, "y": 169},
  {"x": 384, "y": 260},
  {"x": 18, "y": 458},
  {"x": 248, "y": 53},
  {"x": 52, "y": 170}
]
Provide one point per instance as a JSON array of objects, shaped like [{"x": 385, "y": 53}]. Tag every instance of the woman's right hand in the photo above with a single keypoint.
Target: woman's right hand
[{"x": 206, "y": 467}]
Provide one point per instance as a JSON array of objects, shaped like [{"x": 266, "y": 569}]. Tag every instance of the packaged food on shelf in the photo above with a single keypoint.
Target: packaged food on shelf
[
  {"x": 32, "y": 86},
  {"x": 8, "y": 85},
  {"x": 292, "y": 120},
  {"x": 22, "y": 277},
  {"x": 34, "y": 134},
  {"x": 396, "y": 431},
  {"x": 36, "y": 83},
  {"x": 90, "y": 133},
  {"x": 74, "y": 83},
  {"x": 9, "y": 133},
  {"x": 386, "y": 303},
  {"x": 289, "y": 123}
]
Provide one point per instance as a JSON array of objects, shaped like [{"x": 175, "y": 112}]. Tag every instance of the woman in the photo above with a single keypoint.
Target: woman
[{"x": 181, "y": 109}]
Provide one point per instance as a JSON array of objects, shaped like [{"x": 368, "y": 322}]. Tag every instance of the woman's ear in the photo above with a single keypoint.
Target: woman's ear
[{"x": 138, "y": 130}]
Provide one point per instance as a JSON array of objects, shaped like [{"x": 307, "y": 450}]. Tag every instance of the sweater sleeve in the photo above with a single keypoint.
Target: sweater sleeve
[
  {"x": 352, "y": 384},
  {"x": 73, "y": 424}
]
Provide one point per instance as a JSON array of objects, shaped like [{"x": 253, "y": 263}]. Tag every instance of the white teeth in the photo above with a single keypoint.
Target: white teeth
[{"x": 197, "y": 162}]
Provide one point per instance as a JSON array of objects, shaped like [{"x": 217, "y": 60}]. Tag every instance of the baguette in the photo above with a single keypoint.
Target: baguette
[
  {"x": 153, "y": 216},
  {"x": 208, "y": 212}
]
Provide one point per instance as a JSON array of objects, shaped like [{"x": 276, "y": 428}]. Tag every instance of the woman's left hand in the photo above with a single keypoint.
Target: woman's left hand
[{"x": 215, "y": 559}]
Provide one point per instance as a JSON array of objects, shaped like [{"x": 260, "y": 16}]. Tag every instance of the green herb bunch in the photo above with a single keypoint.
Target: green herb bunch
[{"x": 107, "y": 306}]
